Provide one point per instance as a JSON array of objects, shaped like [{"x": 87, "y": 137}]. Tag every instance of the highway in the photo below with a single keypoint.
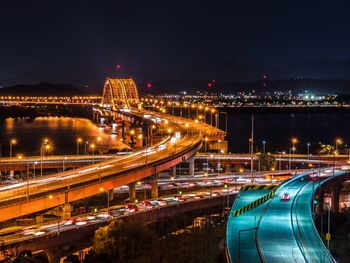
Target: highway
[
  {"x": 14, "y": 235},
  {"x": 283, "y": 230},
  {"x": 185, "y": 137}
]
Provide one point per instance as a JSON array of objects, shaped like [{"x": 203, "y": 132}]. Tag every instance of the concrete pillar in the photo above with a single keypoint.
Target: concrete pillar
[
  {"x": 335, "y": 198},
  {"x": 39, "y": 219},
  {"x": 65, "y": 211},
  {"x": 173, "y": 171},
  {"x": 319, "y": 198},
  {"x": 191, "y": 166},
  {"x": 132, "y": 191},
  {"x": 110, "y": 195},
  {"x": 154, "y": 193}
]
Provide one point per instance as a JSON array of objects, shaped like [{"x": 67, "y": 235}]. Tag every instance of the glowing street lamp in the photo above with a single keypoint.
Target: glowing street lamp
[
  {"x": 93, "y": 146},
  {"x": 12, "y": 142},
  {"x": 42, "y": 150},
  {"x": 338, "y": 142}
]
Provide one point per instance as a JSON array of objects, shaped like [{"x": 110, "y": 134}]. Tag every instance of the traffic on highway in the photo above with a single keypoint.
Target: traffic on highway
[{"x": 18, "y": 234}]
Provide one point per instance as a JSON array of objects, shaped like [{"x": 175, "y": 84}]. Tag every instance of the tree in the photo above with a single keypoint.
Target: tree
[
  {"x": 267, "y": 161},
  {"x": 124, "y": 242},
  {"x": 326, "y": 149}
]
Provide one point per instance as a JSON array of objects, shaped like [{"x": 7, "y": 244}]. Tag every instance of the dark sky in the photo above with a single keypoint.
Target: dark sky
[{"x": 81, "y": 41}]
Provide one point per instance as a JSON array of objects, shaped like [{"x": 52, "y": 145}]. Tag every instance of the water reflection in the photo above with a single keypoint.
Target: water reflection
[{"x": 61, "y": 131}]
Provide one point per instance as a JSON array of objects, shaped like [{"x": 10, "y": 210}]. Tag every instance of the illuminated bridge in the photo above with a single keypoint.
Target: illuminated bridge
[{"x": 119, "y": 97}]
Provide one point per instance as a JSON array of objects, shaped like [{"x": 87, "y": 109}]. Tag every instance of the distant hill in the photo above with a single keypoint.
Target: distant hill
[{"x": 42, "y": 89}]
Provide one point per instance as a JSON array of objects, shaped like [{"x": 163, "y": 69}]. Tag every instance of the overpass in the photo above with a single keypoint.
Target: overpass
[
  {"x": 295, "y": 158},
  {"x": 51, "y": 161},
  {"x": 183, "y": 140},
  {"x": 265, "y": 228}
]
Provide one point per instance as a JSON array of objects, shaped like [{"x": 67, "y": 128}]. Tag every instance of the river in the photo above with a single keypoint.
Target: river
[
  {"x": 275, "y": 128},
  {"x": 62, "y": 133}
]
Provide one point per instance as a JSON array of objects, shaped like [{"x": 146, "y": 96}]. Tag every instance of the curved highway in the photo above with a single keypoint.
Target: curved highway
[
  {"x": 283, "y": 230},
  {"x": 183, "y": 141}
]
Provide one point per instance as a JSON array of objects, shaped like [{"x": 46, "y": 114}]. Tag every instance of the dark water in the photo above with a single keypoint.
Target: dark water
[
  {"x": 62, "y": 133},
  {"x": 277, "y": 129}
]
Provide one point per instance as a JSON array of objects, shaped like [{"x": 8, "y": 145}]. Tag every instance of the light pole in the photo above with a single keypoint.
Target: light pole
[
  {"x": 219, "y": 151},
  {"x": 338, "y": 142},
  {"x": 206, "y": 142},
  {"x": 79, "y": 140},
  {"x": 86, "y": 143},
  {"x": 63, "y": 167},
  {"x": 92, "y": 146},
  {"x": 42, "y": 151},
  {"x": 294, "y": 141},
  {"x": 280, "y": 160},
  {"x": 252, "y": 151},
  {"x": 328, "y": 234},
  {"x": 58, "y": 212},
  {"x": 308, "y": 150},
  {"x": 12, "y": 142},
  {"x": 227, "y": 192},
  {"x": 264, "y": 143},
  {"x": 35, "y": 163}
]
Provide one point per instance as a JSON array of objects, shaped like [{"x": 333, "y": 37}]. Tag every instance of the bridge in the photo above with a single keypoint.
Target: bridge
[
  {"x": 120, "y": 97},
  {"x": 276, "y": 224}
]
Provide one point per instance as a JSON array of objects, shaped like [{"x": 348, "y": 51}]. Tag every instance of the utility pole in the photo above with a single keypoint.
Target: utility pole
[{"x": 252, "y": 151}]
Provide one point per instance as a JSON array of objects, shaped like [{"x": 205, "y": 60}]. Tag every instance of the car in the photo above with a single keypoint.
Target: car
[
  {"x": 285, "y": 197},
  {"x": 146, "y": 204},
  {"x": 131, "y": 208},
  {"x": 161, "y": 202}
]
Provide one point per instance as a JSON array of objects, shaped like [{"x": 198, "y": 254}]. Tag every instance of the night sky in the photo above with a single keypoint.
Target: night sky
[{"x": 81, "y": 42}]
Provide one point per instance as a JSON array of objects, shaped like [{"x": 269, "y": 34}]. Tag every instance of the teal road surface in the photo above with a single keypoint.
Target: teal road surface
[
  {"x": 279, "y": 230},
  {"x": 241, "y": 230}
]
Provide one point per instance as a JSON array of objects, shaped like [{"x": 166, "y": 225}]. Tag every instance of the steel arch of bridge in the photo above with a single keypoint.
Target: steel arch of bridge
[{"x": 120, "y": 93}]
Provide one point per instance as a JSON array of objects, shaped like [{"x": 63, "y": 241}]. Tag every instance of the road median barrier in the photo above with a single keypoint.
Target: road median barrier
[{"x": 257, "y": 202}]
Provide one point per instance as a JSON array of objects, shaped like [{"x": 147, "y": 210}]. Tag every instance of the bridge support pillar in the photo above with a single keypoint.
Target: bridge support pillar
[
  {"x": 191, "y": 166},
  {"x": 173, "y": 171},
  {"x": 335, "y": 198},
  {"x": 154, "y": 193},
  {"x": 132, "y": 192},
  {"x": 319, "y": 198},
  {"x": 65, "y": 211},
  {"x": 110, "y": 195}
]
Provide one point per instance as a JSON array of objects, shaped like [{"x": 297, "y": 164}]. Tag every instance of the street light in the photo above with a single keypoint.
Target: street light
[
  {"x": 264, "y": 143},
  {"x": 290, "y": 157},
  {"x": 12, "y": 142},
  {"x": 35, "y": 163},
  {"x": 79, "y": 140},
  {"x": 58, "y": 212},
  {"x": 294, "y": 141},
  {"x": 93, "y": 146},
  {"x": 44, "y": 146},
  {"x": 308, "y": 150},
  {"x": 86, "y": 143},
  {"x": 338, "y": 142},
  {"x": 63, "y": 167}
]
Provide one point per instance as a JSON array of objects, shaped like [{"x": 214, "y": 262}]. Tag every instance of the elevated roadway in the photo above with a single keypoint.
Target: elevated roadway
[
  {"x": 282, "y": 230},
  {"x": 54, "y": 161},
  {"x": 29, "y": 197}
]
